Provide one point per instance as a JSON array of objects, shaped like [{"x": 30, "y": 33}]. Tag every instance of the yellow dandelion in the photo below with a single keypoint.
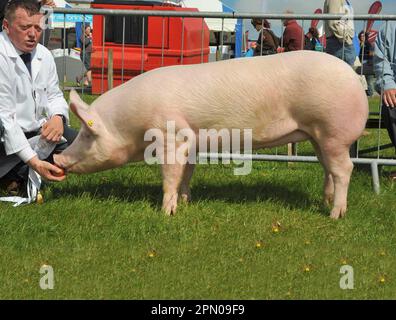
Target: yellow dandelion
[
  {"x": 259, "y": 244},
  {"x": 307, "y": 268},
  {"x": 152, "y": 254},
  {"x": 276, "y": 227},
  {"x": 382, "y": 253},
  {"x": 382, "y": 279}
]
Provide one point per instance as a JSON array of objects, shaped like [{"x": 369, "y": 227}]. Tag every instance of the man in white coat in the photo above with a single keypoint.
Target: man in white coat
[{"x": 31, "y": 102}]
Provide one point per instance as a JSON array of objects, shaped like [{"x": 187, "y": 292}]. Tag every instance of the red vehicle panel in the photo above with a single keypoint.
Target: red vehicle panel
[{"x": 167, "y": 41}]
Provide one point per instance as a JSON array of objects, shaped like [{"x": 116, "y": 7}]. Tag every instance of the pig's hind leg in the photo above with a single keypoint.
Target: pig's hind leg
[
  {"x": 328, "y": 187},
  {"x": 185, "y": 193},
  {"x": 338, "y": 164}
]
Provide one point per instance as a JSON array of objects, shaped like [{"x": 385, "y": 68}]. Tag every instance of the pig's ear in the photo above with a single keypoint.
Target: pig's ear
[
  {"x": 76, "y": 104},
  {"x": 80, "y": 109}
]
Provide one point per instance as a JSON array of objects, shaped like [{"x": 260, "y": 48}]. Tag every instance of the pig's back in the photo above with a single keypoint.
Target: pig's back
[{"x": 237, "y": 93}]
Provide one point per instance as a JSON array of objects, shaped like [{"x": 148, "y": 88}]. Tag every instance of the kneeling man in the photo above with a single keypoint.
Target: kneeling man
[{"x": 31, "y": 103}]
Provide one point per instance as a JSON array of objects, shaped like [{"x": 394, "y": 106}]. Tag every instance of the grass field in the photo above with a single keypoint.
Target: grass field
[{"x": 262, "y": 236}]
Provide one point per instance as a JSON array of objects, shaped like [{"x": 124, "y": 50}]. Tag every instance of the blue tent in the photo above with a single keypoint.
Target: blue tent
[
  {"x": 238, "y": 33},
  {"x": 60, "y": 20}
]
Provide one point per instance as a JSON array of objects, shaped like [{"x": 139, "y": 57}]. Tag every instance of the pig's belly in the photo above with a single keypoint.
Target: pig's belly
[
  {"x": 295, "y": 136},
  {"x": 262, "y": 134},
  {"x": 228, "y": 142}
]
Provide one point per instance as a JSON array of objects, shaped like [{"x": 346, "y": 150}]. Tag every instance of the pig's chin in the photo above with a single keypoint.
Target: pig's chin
[
  {"x": 83, "y": 168},
  {"x": 79, "y": 168},
  {"x": 63, "y": 163}
]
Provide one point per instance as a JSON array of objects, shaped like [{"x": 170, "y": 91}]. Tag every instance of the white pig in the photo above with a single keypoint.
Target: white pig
[{"x": 283, "y": 98}]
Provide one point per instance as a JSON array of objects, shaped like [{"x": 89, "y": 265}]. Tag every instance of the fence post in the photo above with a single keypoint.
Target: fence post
[
  {"x": 375, "y": 176},
  {"x": 110, "y": 73}
]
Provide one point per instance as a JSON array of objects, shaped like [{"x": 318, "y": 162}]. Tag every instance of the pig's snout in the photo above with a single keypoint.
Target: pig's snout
[
  {"x": 61, "y": 162},
  {"x": 57, "y": 161}
]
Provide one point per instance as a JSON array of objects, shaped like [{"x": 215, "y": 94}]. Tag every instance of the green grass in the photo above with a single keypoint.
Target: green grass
[{"x": 106, "y": 238}]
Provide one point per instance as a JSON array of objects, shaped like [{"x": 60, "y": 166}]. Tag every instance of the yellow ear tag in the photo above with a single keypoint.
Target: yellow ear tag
[{"x": 90, "y": 123}]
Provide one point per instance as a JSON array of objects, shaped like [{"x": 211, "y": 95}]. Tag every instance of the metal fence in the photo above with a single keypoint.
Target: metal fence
[{"x": 373, "y": 155}]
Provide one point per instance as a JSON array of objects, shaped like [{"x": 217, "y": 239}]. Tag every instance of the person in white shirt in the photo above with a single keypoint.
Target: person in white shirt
[{"x": 31, "y": 102}]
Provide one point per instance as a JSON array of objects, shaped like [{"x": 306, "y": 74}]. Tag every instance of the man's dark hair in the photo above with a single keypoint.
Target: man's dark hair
[{"x": 32, "y": 7}]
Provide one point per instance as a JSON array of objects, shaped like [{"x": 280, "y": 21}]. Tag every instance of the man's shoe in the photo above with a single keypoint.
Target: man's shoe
[{"x": 13, "y": 188}]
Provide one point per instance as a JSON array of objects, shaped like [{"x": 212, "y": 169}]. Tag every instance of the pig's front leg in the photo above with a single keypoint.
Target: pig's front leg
[
  {"x": 328, "y": 195},
  {"x": 185, "y": 193},
  {"x": 174, "y": 171},
  {"x": 172, "y": 176}
]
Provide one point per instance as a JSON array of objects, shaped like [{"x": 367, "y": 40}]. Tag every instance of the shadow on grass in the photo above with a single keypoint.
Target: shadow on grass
[{"x": 233, "y": 192}]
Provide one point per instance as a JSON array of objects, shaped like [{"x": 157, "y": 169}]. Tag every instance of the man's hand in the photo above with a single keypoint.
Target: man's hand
[
  {"x": 46, "y": 169},
  {"x": 52, "y": 130},
  {"x": 390, "y": 98}
]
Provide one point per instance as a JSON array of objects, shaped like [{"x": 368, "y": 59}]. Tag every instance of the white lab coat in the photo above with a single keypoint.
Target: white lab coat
[{"x": 26, "y": 102}]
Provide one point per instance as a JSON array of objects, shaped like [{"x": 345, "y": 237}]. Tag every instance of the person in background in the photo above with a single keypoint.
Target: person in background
[
  {"x": 267, "y": 42},
  {"x": 366, "y": 56},
  {"x": 85, "y": 55},
  {"x": 340, "y": 33},
  {"x": 293, "y": 35},
  {"x": 385, "y": 72},
  {"x": 312, "y": 41}
]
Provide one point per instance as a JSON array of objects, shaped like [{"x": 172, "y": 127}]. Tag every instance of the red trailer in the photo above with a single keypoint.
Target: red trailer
[{"x": 149, "y": 42}]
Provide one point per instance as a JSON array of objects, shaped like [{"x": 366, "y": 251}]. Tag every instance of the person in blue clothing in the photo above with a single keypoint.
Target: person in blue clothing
[
  {"x": 340, "y": 33},
  {"x": 366, "y": 55},
  {"x": 385, "y": 72},
  {"x": 312, "y": 41}
]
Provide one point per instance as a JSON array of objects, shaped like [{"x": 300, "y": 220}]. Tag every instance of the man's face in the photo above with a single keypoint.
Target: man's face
[{"x": 24, "y": 31}]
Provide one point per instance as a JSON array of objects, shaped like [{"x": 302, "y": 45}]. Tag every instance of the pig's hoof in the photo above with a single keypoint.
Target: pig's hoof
[
  {"x": 337, "y": 213},
  {"x": 169, "y": 211},
  {"x": 169, "y": 204},
  {"x": 328, "y": 199},
  {"x": 185, "y": 197}
]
